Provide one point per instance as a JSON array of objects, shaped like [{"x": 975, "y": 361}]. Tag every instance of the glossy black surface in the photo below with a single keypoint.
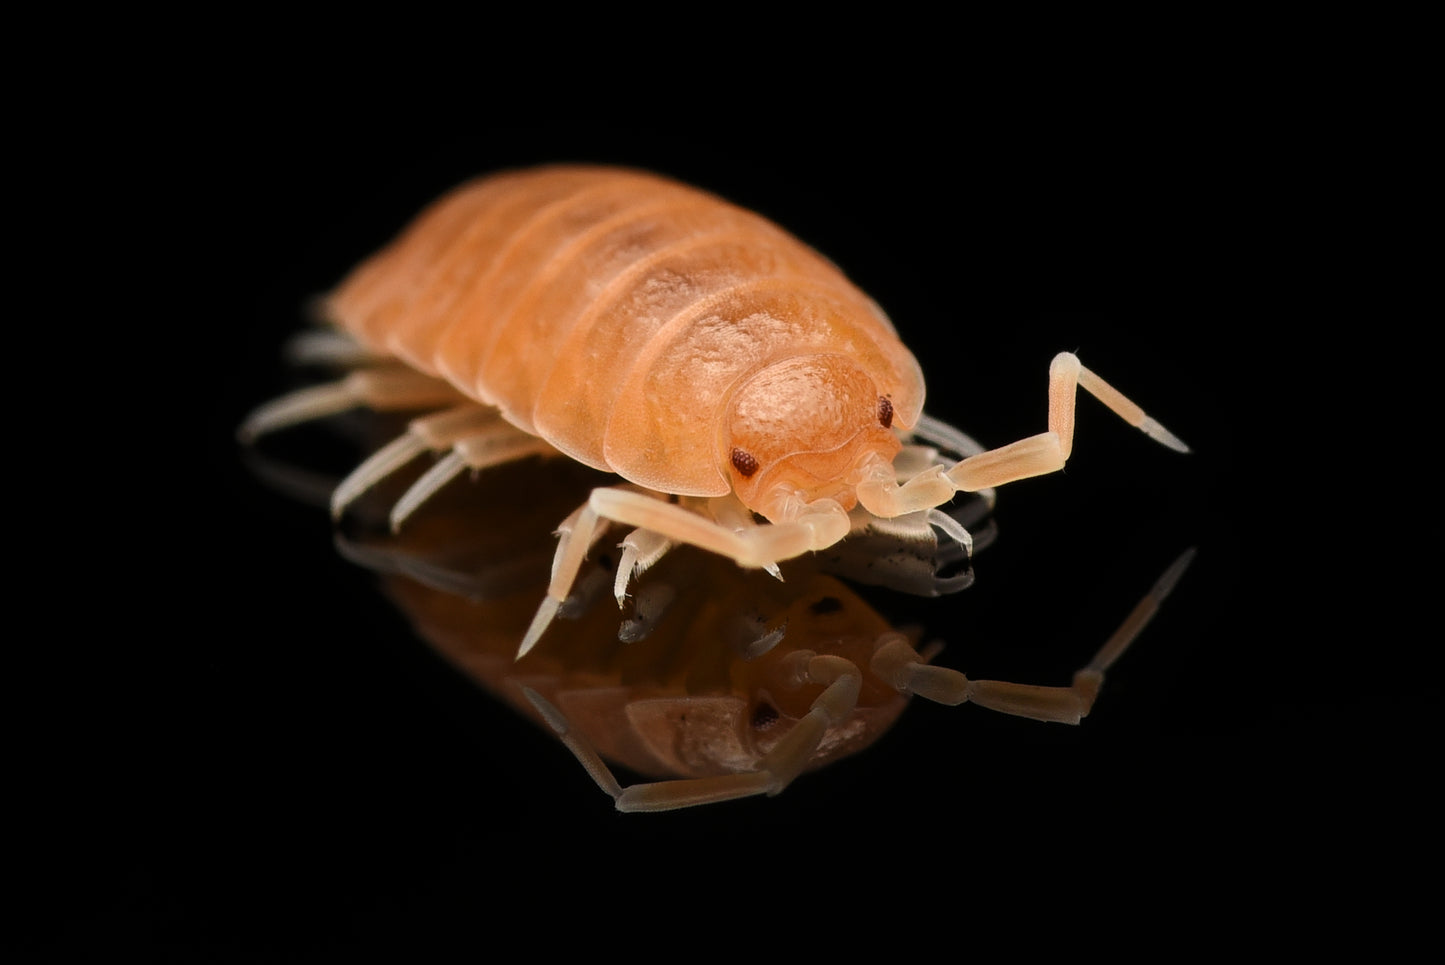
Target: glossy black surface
[{"x": 281, "y": 764}]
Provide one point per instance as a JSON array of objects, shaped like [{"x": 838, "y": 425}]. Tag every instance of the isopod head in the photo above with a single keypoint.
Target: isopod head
[
  {"x": 805, "y": 427},
  {"x": 822, "y": 616}
]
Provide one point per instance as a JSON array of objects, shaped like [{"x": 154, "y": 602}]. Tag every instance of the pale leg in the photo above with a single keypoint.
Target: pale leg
[
  {"x": 434, "y": 432},
  {"x": 495, "y": 445},
  {"x": 642, "y": 548},
  {"x": 814, "y": 526},
  {"x": 811, "y": 526},
  {"x": 386, "y": 388}
]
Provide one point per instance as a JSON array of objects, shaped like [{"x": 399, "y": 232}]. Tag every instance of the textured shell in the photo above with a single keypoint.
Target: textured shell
[{"x": 612, "y": 313}]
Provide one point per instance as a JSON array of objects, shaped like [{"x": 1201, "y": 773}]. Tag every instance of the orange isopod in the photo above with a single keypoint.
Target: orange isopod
[{"x": 722, "y": 368}]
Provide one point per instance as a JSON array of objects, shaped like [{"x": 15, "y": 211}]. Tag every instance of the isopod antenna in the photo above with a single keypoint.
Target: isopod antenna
[{"x": 1036, "y": 455}]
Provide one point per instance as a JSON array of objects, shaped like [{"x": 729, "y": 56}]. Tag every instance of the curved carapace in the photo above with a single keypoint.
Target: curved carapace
[{"x": 645, "y": 328}]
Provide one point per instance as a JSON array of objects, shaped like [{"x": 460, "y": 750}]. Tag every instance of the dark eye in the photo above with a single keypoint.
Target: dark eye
[
  {"x": 885, "y": 412},
  {"x": 744, "y": 462}
]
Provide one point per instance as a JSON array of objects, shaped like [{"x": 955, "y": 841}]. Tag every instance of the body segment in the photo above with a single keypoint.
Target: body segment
[{"x": 614, "y": 313}]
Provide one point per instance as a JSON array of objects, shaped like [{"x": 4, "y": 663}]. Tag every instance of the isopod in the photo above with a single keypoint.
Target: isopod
[{"x": 724, "y": 370}]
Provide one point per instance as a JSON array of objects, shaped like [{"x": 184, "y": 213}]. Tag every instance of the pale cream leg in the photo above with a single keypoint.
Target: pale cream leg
[
  {"x": 730, "y": 513},
  {"x": 642, "y": 548},
  {"x": 784, "y": 762},
  {"x": 913, "y": 460},
  {"x": 576, "y": 536},
  {"x": 385, "y": 388},
  {"x": 329, "y": 346},
  {"x": 1034, "y": 456},
  {"x": 435, "y": 432},
  {"x": 900, "y": 665},
  {"x": 948, "y": 439},
  {"x": 495, "y": 444},
  {"x": 815, "y": 526},
  {"x": 811, "y": 527}
]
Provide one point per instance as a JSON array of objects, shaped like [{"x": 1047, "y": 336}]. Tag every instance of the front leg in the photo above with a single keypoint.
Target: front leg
[
  {"x": 804, "y": 528},
  {"x": 808, "y": 527}
]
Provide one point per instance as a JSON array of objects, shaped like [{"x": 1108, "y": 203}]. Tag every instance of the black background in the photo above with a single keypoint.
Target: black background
[{"x": 261, "y": 757}]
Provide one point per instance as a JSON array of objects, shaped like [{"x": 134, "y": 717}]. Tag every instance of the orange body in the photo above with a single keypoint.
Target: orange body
[{"x": 643, "y": 328}]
